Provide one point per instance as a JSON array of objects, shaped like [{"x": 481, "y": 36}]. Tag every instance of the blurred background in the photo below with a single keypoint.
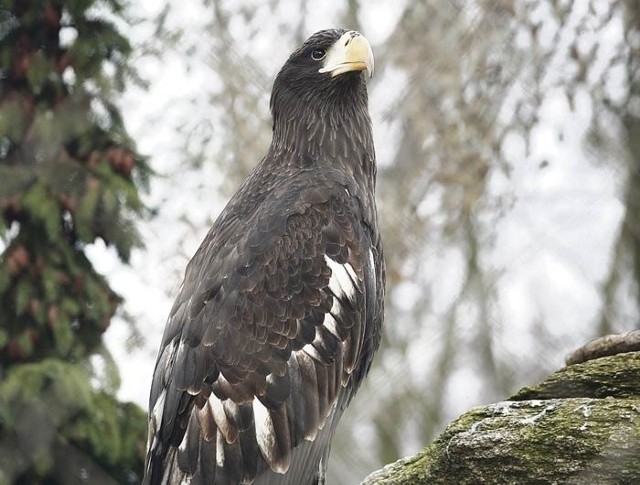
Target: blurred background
[{"x": 508, "y": 145}]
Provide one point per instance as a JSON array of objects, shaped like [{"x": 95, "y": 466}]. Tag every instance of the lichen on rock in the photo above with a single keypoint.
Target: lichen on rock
[{"x": 579, "y": 426}]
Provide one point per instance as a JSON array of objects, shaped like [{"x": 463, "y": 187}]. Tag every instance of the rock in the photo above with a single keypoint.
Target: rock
[{"x": 580, "y": 426}]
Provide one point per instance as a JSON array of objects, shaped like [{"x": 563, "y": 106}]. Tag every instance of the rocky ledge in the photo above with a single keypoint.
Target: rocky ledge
[{"x": 579, "y": 426}]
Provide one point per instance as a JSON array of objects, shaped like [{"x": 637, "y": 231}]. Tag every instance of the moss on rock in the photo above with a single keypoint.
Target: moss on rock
[{"x": 581, "y": 425}]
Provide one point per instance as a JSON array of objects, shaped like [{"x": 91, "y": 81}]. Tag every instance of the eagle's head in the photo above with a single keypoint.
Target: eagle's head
[{"x": 323, "y": 81}]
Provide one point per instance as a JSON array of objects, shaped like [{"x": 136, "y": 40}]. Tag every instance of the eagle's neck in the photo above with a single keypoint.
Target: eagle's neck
[{"x": 333, "y": 131}]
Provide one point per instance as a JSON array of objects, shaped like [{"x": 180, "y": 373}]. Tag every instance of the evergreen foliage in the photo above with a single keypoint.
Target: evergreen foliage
[{"x": 69, "y": 175}]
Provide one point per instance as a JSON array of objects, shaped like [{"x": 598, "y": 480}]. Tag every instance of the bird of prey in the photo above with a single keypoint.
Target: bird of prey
[{"x": 280, "y": 311}]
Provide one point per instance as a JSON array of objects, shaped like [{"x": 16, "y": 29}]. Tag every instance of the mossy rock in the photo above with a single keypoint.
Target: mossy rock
[{"x": 579, "y": 426}]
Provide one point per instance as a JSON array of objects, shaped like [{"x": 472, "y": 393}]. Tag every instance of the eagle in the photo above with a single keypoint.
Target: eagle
[{"x": 280, "y": 312}]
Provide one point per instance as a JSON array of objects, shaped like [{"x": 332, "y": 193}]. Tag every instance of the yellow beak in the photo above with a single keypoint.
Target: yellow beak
[{"x": 352, "y": 52}]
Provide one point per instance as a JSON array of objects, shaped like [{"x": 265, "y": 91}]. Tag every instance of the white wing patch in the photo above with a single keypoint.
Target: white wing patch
[
  {"x": 156, "y": 421},
  {"x": 220, "y": 417},
  {"x": 343, "y": 278},
  {"x": 352, "y": 273},
  {"x": 219, "y": 449},
  {"x": 158, "y": 410},
  {"x": 329, "y": 321},
  {"x": 265, "y": 433},
  {"x": 343, "y": 285}
]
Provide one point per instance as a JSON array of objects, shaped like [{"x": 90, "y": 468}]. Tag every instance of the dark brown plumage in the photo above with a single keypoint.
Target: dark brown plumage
[{"x": 280, "y": 311}]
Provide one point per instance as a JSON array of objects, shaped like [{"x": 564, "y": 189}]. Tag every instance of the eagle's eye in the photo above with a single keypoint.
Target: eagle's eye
[{"x": 318, "y": 54}]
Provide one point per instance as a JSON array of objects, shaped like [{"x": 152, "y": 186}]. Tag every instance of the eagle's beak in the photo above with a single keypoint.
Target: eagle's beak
[{"x": 352, "y": 52}]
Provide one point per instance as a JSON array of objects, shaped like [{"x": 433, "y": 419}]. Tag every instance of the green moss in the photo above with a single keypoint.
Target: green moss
[
  {"x": 573, "y": 440},
  {"x": 617, "y": 375}
]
